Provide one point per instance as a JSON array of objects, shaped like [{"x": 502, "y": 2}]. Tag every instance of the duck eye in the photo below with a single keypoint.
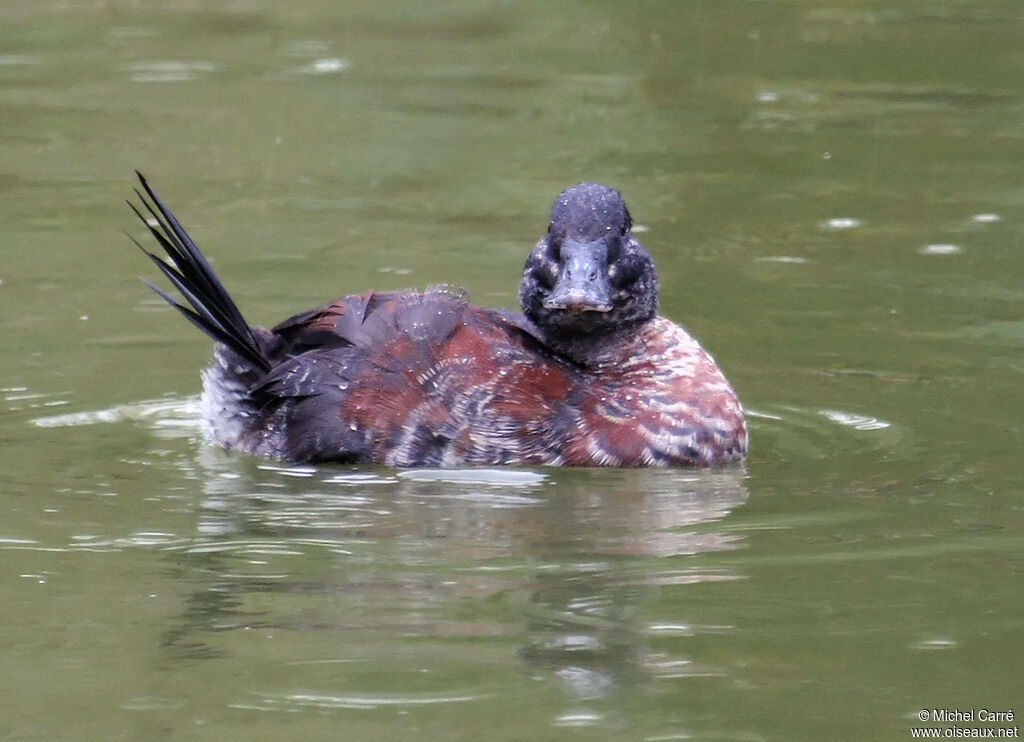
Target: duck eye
[
  {"x": 546, "y": 270},
  {"x": 548, "y": 275},
  {"x": 614, "y": 243},
  {"x": 555, "y": 249},
  {"x": 624, "y": 272}
]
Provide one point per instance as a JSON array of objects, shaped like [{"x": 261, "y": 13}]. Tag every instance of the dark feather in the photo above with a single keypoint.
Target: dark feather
[{"x": 213, "y": 310}]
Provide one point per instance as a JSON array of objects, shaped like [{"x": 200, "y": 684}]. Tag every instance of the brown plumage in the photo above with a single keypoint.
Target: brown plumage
[{"x": 590, "y": 376}]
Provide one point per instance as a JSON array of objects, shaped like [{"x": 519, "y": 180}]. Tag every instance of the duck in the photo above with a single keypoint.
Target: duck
[{"x": 587, "y": 375}]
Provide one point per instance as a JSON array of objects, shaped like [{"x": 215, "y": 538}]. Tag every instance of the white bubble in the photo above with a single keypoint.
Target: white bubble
[
  {"x": 327, "y": 66},
  {"x": 986, "y": 218},
  {"x": 842, "y": 222},
  {"x": 940, "y": 249},
  {"x": 794, "y": 259},
  {"x": 169, "y": 70}
]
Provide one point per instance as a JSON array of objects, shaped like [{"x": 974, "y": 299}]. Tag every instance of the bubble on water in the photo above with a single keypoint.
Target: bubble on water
[
  {"x": 986, "y": 218},
  {"x": 326, "y": 66},
  {"x": 842, "y": 222},
  {"x": 169, "y": 70},
  {"x": 792, "y": 259},
  {"x": 940, "y": 249}
]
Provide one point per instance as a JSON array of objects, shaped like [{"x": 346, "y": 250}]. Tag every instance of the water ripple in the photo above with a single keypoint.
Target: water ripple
[
  {"x": 297, "y": 701},
  {"x": 169, "y": 70},
  {"x": 175, "y": 413},
  {"x": 855, "y": 421},
  {"x": 22, "y": 397},
  {"x": 799, "y": 431},
  {"x": 496, "y": 477}
]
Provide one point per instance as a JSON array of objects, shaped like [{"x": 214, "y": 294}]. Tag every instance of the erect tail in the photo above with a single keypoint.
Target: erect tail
[{"x": 213, "y": 310}]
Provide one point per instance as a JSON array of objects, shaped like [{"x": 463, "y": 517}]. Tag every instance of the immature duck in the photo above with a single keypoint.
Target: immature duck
[{"x": 590, "y": 375}]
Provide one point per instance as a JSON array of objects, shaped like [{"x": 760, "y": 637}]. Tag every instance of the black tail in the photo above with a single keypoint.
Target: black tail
[{"x": 213, "y": 311}]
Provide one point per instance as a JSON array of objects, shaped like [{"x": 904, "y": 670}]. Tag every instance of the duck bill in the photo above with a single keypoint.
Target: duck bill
[{"x": 582, "y": 284}]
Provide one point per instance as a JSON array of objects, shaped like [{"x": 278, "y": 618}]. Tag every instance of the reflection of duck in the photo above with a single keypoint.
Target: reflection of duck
[
  {"x": 593, "y": 622},
  {"x": 581, "y": 575},
  {"x": 589, "y": 376},
  {"x": 468, "y": 552}
]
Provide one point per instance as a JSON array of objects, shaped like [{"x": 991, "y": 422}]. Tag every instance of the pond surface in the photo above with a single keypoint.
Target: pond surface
[{"x": 833, "y": 194}]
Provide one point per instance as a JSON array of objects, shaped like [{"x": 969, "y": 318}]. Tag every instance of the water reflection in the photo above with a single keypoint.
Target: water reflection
[
  {"x": 558, "y": 567},
  {"x": 553, "y": 576},
  {"x": 605, "y": 554}
]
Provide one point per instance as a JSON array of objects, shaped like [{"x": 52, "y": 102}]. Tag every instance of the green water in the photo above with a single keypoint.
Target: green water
[{"x": 833, "y": 194}]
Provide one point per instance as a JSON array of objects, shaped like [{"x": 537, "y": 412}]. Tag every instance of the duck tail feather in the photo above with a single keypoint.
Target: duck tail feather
[{"x": 212, "y": 309}]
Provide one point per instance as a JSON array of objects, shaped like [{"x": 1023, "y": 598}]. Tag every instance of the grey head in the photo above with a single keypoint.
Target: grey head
[{"x": 588, "y": 276}]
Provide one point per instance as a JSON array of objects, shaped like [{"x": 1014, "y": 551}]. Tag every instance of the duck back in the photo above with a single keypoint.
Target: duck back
[{"x": 414, "y": 379}]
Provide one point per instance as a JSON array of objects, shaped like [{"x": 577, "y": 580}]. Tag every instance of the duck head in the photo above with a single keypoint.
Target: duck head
[{"x": 588, "y": 275}]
